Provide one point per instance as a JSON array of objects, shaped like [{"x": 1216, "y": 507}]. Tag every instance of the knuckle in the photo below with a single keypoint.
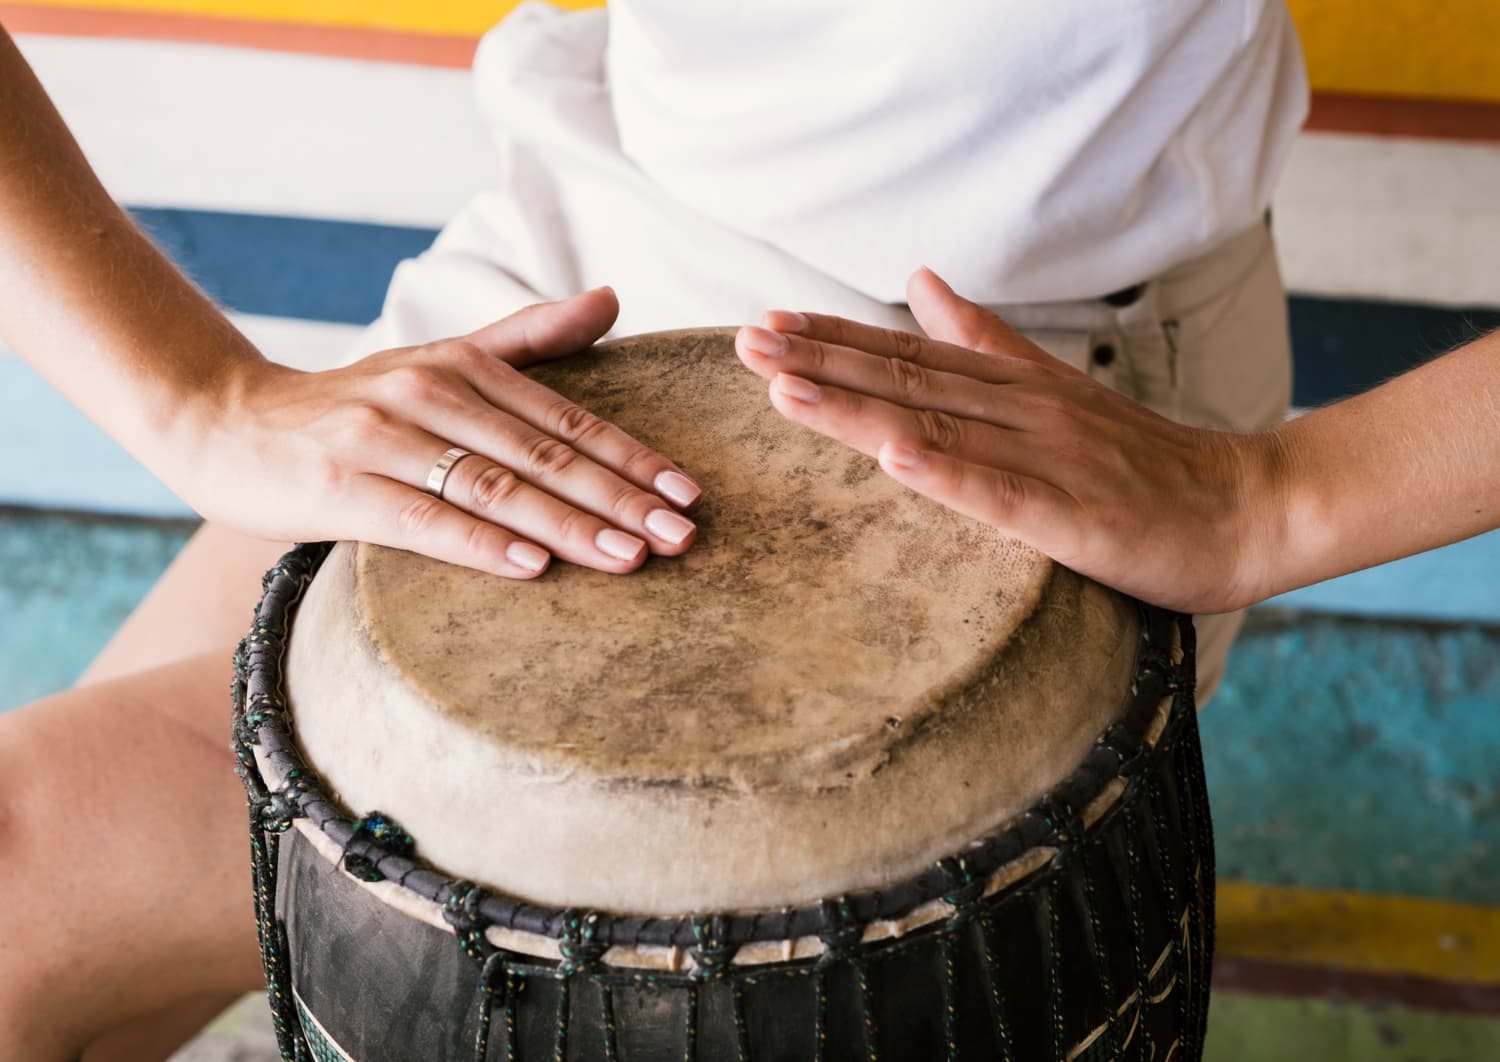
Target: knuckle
[
  {"x": 483, "y": 540},
  {"x": 546, "y": 456},
  {"x": 640, "y": 464},
  {"x": 573, "y": 423},
  {"x": 576, "y": 526},
  {"x": 460, "y": 352},
  {"x": 493, "y": 488},
  {"x": 629, "y": 505},
  {"x": 908, "y": 378},
  {"x": 361, "y": 425},
  {"x": 414, "y": 383},
  {"x": 939, "y": 431},
  {"x": 417, "y": 516},
  {"x": 906, "y": 345}
]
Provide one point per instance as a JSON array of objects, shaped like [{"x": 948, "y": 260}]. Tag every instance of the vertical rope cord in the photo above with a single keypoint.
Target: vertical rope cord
[{"x": 985, "y": 928}]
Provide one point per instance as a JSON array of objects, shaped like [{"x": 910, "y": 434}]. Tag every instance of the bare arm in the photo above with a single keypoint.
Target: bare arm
[
  {"x": 89, "y": 302},
  {"x": 982, "y": 420},
  {"x": 1406, "y": 467}
]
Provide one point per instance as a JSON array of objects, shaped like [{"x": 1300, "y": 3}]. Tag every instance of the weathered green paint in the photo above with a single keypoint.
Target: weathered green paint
[
  {"x": 66, "y": 583},
  {"x": 1243, "y": 1028},
  {"x": 1351, "y": 754}
]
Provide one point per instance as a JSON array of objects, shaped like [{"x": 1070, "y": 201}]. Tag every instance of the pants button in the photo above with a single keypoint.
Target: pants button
[{"x": 1104, "y": 354}]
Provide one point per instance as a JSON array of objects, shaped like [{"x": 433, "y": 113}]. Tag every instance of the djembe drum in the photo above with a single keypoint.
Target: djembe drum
[{"x": 854, "y": 779}]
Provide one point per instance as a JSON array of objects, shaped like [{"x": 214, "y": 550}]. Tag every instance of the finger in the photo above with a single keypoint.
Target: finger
[
  {"x": 947, "y": 316},
  {"x": 549, "y": 329},
  {"x": 1022, "y": 506},
  {"x": 493, "y": 493},
  {"x": 865, "y": 422},
  {"x": 405, "y": 518},
  {"x": 593, "y": 436},
  {"x": 894, "y": 343},
  {"x": 897, "y": 380},
  {"x": 551, "y": 465}
]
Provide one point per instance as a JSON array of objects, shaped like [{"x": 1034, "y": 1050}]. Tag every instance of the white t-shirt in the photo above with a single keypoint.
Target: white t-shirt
[{"x": 1028, "y": 150}]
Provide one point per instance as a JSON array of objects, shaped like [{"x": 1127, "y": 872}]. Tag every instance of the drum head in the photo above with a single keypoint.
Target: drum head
[{"x": 838, "y": 684}]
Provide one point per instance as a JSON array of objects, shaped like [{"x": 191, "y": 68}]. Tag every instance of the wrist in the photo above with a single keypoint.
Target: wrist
[{"x": 1262, "y": 537}]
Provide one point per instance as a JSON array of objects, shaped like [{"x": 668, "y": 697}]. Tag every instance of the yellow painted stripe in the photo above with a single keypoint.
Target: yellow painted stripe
[
  {"x": 1360, "y": 931},
  {"x": 467, "y": 17},
  {"x": 1394, "y": 48},
  {"x": 1423, "y": 48}
]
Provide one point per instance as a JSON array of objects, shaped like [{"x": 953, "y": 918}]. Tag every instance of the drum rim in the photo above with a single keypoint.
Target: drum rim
[{"x": 261, "y": 721}]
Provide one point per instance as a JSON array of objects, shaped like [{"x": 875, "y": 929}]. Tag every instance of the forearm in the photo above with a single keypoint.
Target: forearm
[
  {"x": 1406, "y": 467},
  {"x": 87, "y": 300}
]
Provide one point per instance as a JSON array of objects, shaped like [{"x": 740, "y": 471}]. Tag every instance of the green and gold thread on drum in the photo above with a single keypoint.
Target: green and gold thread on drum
[
  {"x": 322, "y": 1046},
  {"x": 607, "y": 1012},
  {"x": 996, "y": 996},
  {"x": 272, "y": 812},
  {"x": 1137, "y": 928}
]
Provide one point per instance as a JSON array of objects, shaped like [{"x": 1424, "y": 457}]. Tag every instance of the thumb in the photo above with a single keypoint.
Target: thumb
[
  {"x": 950, "y": 318},
  {"x": 549, "y": 329}
]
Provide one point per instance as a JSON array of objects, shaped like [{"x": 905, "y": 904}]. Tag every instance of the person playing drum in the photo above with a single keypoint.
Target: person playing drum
[{"x": 1100, "y": 180}]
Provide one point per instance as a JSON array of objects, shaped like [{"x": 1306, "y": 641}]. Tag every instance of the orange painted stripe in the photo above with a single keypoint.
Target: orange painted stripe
[
  {"x": 1336, "y": 112},
  {"x": 1332, "y": 112},
  {"x": 344, "y": 42}
]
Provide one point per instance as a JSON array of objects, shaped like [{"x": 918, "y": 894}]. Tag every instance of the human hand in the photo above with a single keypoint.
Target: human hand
[
  {"x": 345, "y": 454},
  {"x": 979, "y": 418}
]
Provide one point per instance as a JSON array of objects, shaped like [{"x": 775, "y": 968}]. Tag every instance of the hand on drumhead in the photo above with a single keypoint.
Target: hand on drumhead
[
  {"x": 977, "y": 417},
  {"x": 365, "y": 452}
]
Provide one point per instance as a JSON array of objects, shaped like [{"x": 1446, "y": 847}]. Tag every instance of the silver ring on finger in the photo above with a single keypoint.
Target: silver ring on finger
[{"x": 438, "y": 476}]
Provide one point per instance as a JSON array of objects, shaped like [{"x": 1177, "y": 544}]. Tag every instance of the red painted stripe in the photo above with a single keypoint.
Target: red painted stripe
[
  {"x": 1261, "y": 977},
  {"x": 1396, "y": 116},
  {"x": 344, "y": 42}
]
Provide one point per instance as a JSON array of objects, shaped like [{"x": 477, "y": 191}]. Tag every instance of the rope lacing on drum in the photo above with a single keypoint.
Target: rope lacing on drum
[
  {"x": 711, "y": 952},
  {"x": 382, "y": 832},
  {"x": 461, "y": 911},
  {"x": 841, "y": 937},
  {"x": 713, "y": 956}
]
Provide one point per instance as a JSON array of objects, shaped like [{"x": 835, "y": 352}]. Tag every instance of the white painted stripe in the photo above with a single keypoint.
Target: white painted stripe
[
  {"x": 52, "y": 456},
  {"x": 215, "y": 128},
  {"x": 1380, "y": 217}
]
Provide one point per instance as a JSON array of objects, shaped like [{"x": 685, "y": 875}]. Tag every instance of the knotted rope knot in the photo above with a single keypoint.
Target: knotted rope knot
[
  {"x": 580, "y": 947},
  {"x": 1065, "y": 825},
  {"x": 1130, "y": 749},
  {"x": 965, "y": 890},
  {"x": 381, "y": 832},
  {"x": 841, "y": 933},
  {"x": 276, "y": 810},
  {"x": 461, "y": 911},
  {"x": 712, "y": 953}
]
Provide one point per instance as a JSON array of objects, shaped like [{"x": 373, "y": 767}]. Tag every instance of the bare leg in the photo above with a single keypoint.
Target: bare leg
[
  {"x": 122, "y": 858},
  {"x": 132, "y": 771}
]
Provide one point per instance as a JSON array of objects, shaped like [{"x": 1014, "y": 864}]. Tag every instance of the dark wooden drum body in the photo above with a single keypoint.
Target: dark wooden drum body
[{"x": 859, "y": 781}]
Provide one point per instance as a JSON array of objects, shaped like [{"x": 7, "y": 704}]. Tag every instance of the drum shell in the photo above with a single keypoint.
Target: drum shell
[{"x": 1101, "y": 952}]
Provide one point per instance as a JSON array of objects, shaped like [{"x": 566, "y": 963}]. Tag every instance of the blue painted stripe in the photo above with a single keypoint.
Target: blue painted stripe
[
  {"x": 308, "y": 268},
  {"x": 322, "y": 270}
]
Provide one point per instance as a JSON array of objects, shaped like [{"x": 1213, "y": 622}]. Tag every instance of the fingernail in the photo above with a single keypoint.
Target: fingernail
[
  {"x": 618, "y": 544},
  {"x": 797, "y": 388},
  {"x": 676, "y": 487},
  {"x": 605, "y": 287},
  {"x": 668, "y": 526},
  {"x": 525, "y": 555},
  {"x": 901, "y": 456},
  {"x": 768, "y": 344},
  {"x": 787, "y": 321}
]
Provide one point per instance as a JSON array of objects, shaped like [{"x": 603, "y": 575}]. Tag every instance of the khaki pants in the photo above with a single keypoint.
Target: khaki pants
[{"x": 1206, "y": 344}]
